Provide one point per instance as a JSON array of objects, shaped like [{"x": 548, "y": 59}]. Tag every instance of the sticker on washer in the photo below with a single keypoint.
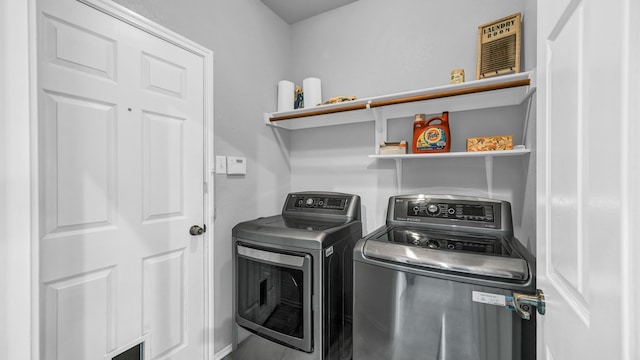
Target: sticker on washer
[
  {"x": 509, "y": 305},
  {"x": 488, "y": 298},
  {"x": 329, "y": 251}
]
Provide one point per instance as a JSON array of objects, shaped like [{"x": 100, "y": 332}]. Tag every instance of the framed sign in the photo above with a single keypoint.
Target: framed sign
[{"x": 499, "y": 47}]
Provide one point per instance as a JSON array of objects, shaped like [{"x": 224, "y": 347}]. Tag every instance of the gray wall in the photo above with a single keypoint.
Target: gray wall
[
  {"x": 370, "y": 48},
  {"x": 375, "y": 47},
  {"x": 251, "y": 49}
]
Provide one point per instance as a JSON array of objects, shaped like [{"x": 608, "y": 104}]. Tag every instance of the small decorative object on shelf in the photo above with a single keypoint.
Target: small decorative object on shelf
[
  {"x": 285, "y": 95},
  {"x": 499, "y": 47},
  {"x": 312, "y": 90},
  {"x": 339, "y": 99},
  {"x": 299, "y": 99},
  {"x": 489, "y": 143},
  {"x": 393, "y": 148},
  {"x": 457, "y": 76}
]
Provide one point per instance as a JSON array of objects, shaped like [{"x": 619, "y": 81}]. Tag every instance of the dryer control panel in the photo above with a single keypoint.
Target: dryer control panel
[{"x": 322, "y": 204}]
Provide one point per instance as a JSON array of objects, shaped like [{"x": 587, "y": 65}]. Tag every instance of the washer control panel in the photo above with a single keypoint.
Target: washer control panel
[
  {"x": 445, "y": 210},
  {"x": 319, "y": 203},
  {"x": 450, "y": 211}
]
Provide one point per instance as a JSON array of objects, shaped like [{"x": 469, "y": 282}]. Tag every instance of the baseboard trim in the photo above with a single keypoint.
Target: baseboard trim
[{"x": 222, "y": 353}]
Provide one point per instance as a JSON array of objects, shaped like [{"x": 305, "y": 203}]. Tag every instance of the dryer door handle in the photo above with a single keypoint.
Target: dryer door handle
[{"x": 271, "y": 257}]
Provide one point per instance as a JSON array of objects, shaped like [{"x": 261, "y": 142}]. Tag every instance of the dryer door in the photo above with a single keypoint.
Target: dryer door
[{"x": 273, "y": 294}]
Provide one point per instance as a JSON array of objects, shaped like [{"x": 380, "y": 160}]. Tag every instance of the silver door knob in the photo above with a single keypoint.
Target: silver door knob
[{"x": 197, "y": 230}]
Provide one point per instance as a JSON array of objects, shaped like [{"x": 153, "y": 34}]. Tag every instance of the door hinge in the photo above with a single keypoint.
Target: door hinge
[{"x": 522, "y": 304}]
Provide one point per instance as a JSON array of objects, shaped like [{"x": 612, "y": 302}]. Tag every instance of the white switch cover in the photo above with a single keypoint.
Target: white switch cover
[
  {"x": 236, "y": 165},
  {"x": 221, "y": 164}
]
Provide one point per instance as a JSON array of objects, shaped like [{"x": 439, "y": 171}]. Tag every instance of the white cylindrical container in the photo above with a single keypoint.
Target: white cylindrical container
[
  {"x": 312, "y": 92},
  {"x": 286, "y": 95}
]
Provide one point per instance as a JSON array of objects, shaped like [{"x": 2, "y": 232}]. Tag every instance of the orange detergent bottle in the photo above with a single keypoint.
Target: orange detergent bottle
[{"x": 433, "y": 135}]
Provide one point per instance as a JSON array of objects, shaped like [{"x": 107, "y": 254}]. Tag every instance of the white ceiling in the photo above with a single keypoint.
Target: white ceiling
[{"x": 293, "y": 11}]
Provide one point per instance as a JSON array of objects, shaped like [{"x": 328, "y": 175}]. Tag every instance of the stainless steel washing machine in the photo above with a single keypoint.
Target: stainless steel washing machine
[
  {"x": 441, "y": 280},
  {"x": 293, "y": 279}
]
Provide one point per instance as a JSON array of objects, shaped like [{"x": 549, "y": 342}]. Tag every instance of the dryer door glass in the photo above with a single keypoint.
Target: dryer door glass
[{"x": 274, "y": 295}]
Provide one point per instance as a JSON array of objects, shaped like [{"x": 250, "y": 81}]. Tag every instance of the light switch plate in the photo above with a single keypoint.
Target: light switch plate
[
  {"x": 236, "y": 165},
  {"x": 221, "y": 164}
]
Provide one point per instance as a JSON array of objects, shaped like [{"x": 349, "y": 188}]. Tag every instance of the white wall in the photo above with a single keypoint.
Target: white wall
[
  {"x": 251, "y": 54},
  {"x": 370, "y": 48}
]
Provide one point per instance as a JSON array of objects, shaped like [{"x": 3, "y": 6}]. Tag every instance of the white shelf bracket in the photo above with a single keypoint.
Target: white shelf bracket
[
  {"x": 381, "y": 128},
  {"x": 488, "y": 167},
  {"x": 525, "y": 129},
  {"x": 399, "y": 175}
]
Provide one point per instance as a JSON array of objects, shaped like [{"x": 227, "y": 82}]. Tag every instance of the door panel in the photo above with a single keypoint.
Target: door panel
[
  {"x": 81, "y": 307},
  {"x": 121, "y": 163},
  {"x": 79, "y": 49},
  {"x": 568, "y": 125},
  {"x": 81, "y": 135},
  {"x": 165, "y": 312},
  {"x": 582, "y": 199},
  {"x": 162, "y": 142},
  {"x": 162, "y": 76}
]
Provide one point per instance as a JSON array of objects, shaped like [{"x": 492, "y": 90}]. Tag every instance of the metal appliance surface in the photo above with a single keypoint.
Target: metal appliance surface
[
  {"x": 437, "y": 281},
  {"x": 293, "y": 279}
]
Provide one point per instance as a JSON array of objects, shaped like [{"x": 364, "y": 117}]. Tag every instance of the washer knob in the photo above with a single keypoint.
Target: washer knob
[
  {"x": 432, "y": 209},
  {"x": 309, "y": 201},
  {"x": 432, "y": 244}
]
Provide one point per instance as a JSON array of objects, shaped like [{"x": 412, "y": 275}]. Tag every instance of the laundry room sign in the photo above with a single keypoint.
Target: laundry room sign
[{"x": 499, "y": 47}]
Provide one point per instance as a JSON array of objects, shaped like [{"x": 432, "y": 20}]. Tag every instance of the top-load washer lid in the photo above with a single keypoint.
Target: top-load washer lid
[{"x": 459, "y": 252}]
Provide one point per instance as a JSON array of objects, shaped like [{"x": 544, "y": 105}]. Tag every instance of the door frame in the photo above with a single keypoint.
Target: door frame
[
  {"x": 19, "y": 211},
  {"x": 630, "y": 248}
]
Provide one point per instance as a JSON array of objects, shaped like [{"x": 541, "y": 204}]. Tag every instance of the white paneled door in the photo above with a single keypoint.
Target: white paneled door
[
  {"x": 121, "y": 182},
  {"x": 587, "y": 202}
]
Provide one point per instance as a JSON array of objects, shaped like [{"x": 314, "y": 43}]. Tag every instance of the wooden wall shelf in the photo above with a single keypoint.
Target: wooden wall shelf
[{"x": 486, "y": 93}]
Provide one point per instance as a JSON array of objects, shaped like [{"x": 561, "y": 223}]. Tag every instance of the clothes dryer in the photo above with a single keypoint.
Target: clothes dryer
[{"x": 293, "y": 279}]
